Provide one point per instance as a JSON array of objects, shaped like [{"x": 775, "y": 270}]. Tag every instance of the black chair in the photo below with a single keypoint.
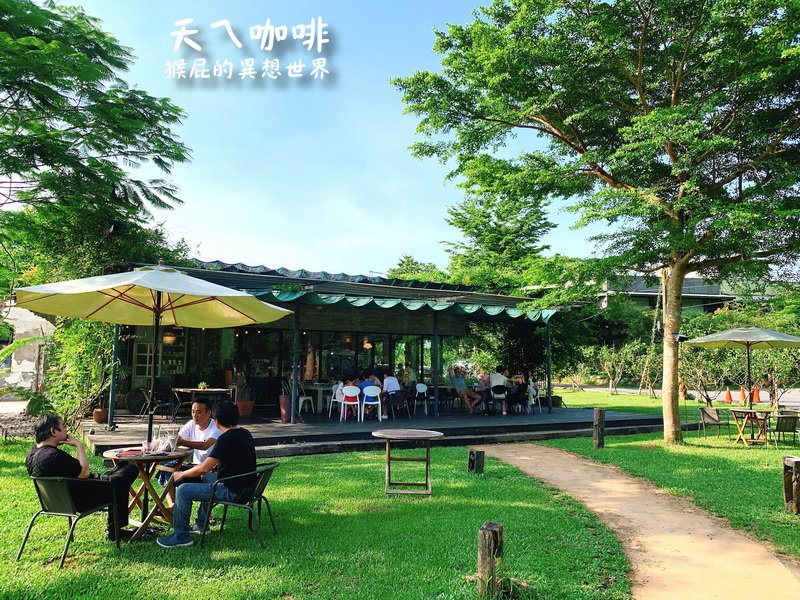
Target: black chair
[
  {"x": 710, "y": 416},
  {"x": 397, "y": 401},
  {"x": 784, "y": 424},
  {"x": 56, "y": 499},
  {"x": 263, "y": 473},
  {"x": 499, "y": 393}
]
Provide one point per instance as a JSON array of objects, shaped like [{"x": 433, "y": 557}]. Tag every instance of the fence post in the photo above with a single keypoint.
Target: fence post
[
  {"x": 791, "y": 483},
  {"x": 599, "y": 427},
  {"x": 490, "y": 552}
]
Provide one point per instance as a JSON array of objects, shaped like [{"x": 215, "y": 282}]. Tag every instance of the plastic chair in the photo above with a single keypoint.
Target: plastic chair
[
  {"x": 783, "y": 424},
  {"x": 422, "y": 394},
  {"x": 534, "y": 399},
  {"x": 710, "y": 416},
  {"x": 55, "y": 498},
  {"x": 350, "y": 393},
  {"x": 333, "y": 398},
  {"x": 372, "y": 397},
  {"x": 303, "y": 398},
  {"x": 256, "y": 497},
  {"x": 499, "y": 393}
]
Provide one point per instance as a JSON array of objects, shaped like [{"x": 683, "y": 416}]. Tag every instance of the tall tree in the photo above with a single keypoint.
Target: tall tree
[
  {"x": 70, "y": 128},
  {"x": 674, "y": 121}
]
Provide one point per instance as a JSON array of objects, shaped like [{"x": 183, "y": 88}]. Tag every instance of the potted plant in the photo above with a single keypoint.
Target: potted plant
[
  {"x": 100, "y": 414},
  {"x": 243, "y": 401}
]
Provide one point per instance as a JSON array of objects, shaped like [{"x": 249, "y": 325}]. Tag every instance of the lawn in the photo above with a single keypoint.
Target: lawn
[
  {"x": 339, "y": 536},
  {"x": 633, "y": 403},
  {"x": 744, "y": 485}
]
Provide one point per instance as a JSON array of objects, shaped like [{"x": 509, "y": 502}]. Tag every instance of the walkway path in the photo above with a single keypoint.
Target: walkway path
[{"x": 676, "y": 550}]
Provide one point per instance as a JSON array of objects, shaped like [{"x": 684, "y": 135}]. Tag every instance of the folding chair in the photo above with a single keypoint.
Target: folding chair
[{"x": 710, "y": 416}]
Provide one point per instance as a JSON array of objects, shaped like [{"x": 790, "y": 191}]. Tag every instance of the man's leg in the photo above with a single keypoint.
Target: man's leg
[
  {"x": 121, "y": 477},
  {"x": 184, "y": 496},
  {"x": 220, "y": 493}
]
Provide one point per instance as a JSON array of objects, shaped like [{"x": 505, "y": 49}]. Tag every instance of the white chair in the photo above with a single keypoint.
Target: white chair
[
  {"x": 333, "y": 398},
  {"x": 350, "y": 393},
  {"x": 302, "y": 398},
  {"x": 372, "y": 396},
  {"x": 422, "y": 394}
]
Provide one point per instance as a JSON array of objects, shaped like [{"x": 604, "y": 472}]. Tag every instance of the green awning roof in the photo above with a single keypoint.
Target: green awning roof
[{"x": 476, "y": 311}]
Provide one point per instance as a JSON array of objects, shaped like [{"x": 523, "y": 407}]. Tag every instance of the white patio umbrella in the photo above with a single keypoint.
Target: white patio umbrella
[
  {"x": 153, "y": 295},
  {"x": 748, "y": 338}
]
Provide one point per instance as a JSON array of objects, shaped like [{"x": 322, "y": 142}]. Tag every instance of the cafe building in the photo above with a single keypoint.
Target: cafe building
[{"x": 339, "y": 324}]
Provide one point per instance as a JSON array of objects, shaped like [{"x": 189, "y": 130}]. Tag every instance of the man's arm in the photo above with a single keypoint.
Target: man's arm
[
  {"x": 204, "y": 467},
  {"x": 205, "y": 445},
  {"x": 80, "y": 455}
]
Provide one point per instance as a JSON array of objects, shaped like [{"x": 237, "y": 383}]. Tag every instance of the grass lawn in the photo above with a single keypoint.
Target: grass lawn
[
  {"x": 744, "y": 485},
  {"x": 339, "y": 536},
  {"x": 632, "y": 403}
]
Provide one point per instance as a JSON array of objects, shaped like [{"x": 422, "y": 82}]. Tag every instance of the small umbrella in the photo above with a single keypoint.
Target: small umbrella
[
  {"x": 748, "y": 338},
  {"x": 153, "y": 295}
]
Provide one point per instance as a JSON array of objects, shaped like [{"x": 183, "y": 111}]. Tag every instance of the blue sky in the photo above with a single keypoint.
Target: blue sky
[{"x": 301, "y": 172}]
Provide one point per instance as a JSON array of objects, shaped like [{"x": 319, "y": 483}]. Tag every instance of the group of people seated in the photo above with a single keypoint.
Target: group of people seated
[
  {"x": 391, "y": 392},
  {"x": 519, "y": 389},
  {"x": 221, "y": 449}
]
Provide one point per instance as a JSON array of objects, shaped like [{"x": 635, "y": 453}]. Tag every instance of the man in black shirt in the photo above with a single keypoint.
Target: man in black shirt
[
  {"x": 233, "y": 454},
  {"x": 46, "y": 459}
]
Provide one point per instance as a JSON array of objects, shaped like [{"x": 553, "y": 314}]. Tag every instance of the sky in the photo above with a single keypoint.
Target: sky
[{"x": 300, "y": 172}]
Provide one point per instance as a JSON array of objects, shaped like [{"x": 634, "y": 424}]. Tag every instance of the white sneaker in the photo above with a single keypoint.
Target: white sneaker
[
  {"x": 384, "y": 417},
  {"x": 504, "y": 413}
]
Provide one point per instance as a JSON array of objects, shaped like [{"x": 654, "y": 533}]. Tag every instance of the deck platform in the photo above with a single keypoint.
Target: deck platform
[{"x": 320, "y": 435}]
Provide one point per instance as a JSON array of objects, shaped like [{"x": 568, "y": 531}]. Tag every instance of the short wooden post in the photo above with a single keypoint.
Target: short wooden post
[
  {"x": 791, "y": 483},
  {"x": 599, "y": 427},
  {"x": 475, "y": 461},
  {"x": 490, "y": 552}
]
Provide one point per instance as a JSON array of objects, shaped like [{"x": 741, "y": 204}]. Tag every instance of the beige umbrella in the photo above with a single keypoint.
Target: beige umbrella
[
  {"x": 153, "y": 295},
  {"x": 748, "y": 338}
]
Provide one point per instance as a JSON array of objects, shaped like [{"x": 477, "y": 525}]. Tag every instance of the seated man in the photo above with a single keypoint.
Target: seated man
[
  {"x": 199, "y": 433},
  {"x": 468, "y": 397},
  {"x": 234, "y": 453},
  {"x": 46, "y": 459},
  {"x": 500, "y": 377}
]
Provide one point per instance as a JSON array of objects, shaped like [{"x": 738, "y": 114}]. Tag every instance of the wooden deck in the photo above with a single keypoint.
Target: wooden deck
[{"x": 320, "y": 435}]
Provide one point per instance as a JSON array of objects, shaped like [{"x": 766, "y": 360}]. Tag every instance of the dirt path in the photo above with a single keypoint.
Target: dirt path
[{"x": 676, "y": 550}]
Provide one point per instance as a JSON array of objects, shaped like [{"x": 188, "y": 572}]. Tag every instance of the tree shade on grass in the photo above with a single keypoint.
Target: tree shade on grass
[{"x": 339, "y": 536}]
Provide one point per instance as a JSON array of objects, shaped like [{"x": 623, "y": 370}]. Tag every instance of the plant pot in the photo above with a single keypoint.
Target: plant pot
[
  {"x": 285, "y": 402},
  {"x": 100, "y": 415},
  {"x": 245, "y": 407},
  {"x": 120, "y": 401}
]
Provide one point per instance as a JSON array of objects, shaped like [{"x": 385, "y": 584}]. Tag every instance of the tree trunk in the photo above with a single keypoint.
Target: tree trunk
[{"x": 673, "y": 288}]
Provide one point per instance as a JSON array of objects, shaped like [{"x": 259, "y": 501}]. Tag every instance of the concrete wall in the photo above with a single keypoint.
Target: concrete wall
[{"x": 26, "y": 362}]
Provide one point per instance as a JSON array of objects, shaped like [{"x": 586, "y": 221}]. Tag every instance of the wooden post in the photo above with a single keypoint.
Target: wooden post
[
  {"x": 475, "y": 462},
  {"x": 791, "y": 483},
  {"x": 599, "y": 427},
  {"x": 490, "y": 552}
]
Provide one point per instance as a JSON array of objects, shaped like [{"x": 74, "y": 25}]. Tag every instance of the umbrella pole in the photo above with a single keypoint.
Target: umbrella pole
[
  {"x": 749, "y": 381},
  {"x": 154, "y": 365}
]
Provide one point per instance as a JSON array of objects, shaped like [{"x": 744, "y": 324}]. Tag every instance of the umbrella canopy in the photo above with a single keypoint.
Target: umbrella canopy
[
  {"x": 747, "y": 338},
  {"x": 153, "y": 295},
  {"x": 133, "y": 298}
]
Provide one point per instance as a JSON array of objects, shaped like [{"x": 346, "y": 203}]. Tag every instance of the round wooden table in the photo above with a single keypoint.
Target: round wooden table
[
  {"x": 146, "y": 462},
  {"x": 408, "y": 435}
]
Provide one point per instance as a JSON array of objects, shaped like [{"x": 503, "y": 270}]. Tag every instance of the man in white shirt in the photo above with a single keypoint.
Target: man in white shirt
[
  {"x": 201, "y": 432},
  {"x": 500, "y": 377}
]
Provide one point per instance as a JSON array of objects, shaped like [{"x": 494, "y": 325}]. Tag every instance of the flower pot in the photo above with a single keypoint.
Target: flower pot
[
  {"x": 100, "y": 415},
  {"x": 286, "y": 408},
  {"x": 245, "y": 407}
]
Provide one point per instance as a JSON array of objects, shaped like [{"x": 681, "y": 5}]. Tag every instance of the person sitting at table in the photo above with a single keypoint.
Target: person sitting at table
[
  {"x": 234, "y": 453},
  {"x": 199, "y": 433},
  {"x": 392, "y": 391},
  {"x": 500, "y": 377},
  {"x": 348, "y": 379},
  {"x": 46, "y": 459},
  {"x": 468, "y": 397},
  {"x": 369, "y": 378}
]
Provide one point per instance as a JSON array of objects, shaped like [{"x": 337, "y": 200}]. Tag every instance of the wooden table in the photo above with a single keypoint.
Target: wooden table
[
  {"x": 193, "y": 393},
  {"x": 756, "y": 419},
  {"x": 146, "y": 463},
  {"x": 405, "y": 435}
]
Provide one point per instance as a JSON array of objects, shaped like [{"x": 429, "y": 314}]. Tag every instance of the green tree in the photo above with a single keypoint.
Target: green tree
[
  {"x": 70, "y": 128},
  {"x": 674, "y": 121}
]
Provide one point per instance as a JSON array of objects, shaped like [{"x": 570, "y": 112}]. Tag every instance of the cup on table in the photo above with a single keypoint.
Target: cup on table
[{"x": 145, "y": 447}]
